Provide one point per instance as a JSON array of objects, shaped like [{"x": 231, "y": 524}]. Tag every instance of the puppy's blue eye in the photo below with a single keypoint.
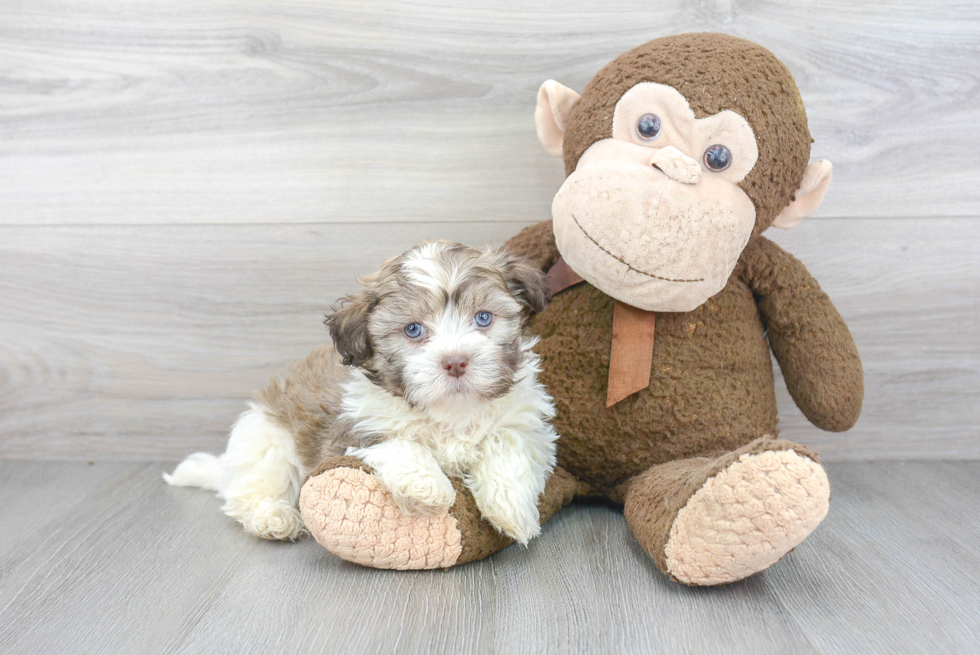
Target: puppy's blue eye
[
  {"x": 648, "y": 127},
  {"x": 483, "y": 319},
  {"x": 414, "y": 331}
]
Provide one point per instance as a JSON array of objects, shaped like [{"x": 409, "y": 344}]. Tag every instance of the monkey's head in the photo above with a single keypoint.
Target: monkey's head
[{"x": 677, "y": 153}]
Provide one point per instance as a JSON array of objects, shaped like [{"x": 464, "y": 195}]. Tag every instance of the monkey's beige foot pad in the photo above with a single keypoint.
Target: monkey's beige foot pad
[
  {"x": 747, "y": 517},
  {"x": 351, "y": 514}
]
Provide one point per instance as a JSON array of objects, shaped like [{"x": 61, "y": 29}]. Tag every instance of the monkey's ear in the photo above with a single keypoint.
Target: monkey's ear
[
  {"x": 348, "y": 327},
  {"x": 812, "y": 189},
  {"x": 555, "y": 103}
]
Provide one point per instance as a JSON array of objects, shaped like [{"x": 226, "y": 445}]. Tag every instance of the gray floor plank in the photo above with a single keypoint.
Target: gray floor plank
[
  {"x": 113, "y": 574},
  {"x": 136, "y": 566},
  {"x": 899, "y": 545},
  {"x": 31, "y": 501},
  {"x": 143, "y": 342}
]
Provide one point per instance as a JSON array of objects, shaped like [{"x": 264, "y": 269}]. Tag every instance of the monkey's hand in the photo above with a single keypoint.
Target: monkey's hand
[{"x": 811, "y": 342}]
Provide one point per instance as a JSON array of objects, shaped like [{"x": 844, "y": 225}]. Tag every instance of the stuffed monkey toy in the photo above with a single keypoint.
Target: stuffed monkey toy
[{"x": 667, "y": 301}]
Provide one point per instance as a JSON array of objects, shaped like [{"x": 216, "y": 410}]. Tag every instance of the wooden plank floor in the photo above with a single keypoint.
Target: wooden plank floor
[{"x": 104, "y": 558}]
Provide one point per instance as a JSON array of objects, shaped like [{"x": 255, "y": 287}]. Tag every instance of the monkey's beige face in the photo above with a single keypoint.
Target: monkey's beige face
[{"x": 653, "y": 216}]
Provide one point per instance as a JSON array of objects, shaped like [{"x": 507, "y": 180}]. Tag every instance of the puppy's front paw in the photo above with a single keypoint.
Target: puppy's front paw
[
  {"x": 423, "y": 492},
  {"x": 517, "y": 521}
]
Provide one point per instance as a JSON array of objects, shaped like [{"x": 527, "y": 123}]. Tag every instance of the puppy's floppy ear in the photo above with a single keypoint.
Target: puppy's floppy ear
[
  {"x": 525, "y": 280},
  {"x": 348, "y": 327}
]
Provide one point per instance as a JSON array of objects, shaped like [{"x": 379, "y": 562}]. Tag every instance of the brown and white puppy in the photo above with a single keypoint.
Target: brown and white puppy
[{"x": 431, "y": 374}]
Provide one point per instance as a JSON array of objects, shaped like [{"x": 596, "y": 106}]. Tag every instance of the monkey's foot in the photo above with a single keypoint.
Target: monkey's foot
[
  {"x": 747, "y": 517},
  {"x": 350, "y": 513}
]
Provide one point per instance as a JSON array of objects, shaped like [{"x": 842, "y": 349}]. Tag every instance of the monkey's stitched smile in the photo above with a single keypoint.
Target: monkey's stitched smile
[{"x": 624, "y": 262}]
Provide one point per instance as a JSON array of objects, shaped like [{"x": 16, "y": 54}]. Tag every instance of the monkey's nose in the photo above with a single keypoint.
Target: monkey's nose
[
  {"x": 455, "y": 365},
  {"x": 676, "y": 165}
]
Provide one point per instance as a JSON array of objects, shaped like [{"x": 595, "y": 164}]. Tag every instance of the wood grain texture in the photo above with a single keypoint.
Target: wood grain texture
[
  {"x": 910, "y": 293},
  {"x": 130, "y": 565},
  {"x": 187, "y": 186},
  {"x": 144, "y": 341},
  {"x": 239, "y": 111}
]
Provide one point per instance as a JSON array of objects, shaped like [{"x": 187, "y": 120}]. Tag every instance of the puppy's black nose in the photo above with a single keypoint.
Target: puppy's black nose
[{"x": 455, "y": 365}]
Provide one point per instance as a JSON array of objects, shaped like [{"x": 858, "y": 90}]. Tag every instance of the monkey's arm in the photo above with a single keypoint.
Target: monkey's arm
[
  {"x": 811, "y": 342},
  {"x": 536, "y": 244}
]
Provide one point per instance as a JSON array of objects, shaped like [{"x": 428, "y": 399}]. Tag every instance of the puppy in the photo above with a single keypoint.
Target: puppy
[{"x": 431, "y": 374}]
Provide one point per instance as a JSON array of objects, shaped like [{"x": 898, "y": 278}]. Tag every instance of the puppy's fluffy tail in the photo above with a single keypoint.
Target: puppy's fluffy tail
[{"x": 198, "y": 470}]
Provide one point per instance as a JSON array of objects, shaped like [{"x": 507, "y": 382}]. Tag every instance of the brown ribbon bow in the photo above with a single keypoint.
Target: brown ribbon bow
[{"x": 631, "y": 357}]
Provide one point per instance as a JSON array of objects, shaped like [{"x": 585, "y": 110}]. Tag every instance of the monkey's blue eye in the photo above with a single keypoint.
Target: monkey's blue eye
[
  {"x": 483, "y": 319},
  {"x": 414, "y": 331},
  {"x": 717, "y": 158},
  {"x": 648, "y": 127}
]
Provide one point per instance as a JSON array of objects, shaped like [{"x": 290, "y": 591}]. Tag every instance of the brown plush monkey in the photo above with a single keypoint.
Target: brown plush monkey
[{"x": 656, "y": 345}]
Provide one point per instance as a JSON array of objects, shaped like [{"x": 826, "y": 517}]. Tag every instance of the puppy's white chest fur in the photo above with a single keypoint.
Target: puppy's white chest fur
[
  {"x": 503, "y": 449},
  {"x": 457, "y": 432}
]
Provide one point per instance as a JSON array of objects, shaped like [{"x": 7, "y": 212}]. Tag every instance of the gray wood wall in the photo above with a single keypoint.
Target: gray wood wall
[{"x": 185, "y": 186}]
